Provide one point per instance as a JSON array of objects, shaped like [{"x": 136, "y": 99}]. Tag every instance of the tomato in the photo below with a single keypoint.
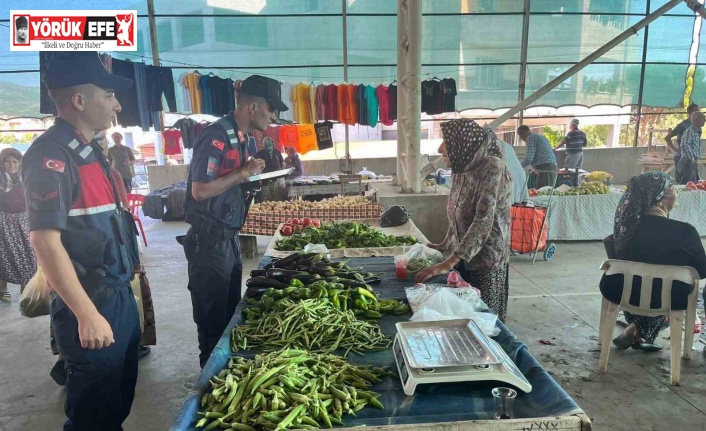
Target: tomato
[
  {"x": 294, "y": 221},
  {"x": 306, "y": 221},
  {"x": 690, "y": 183},
  {"x": 316, "y": 223},
  {"x": 287, "y": 230},
  {"x": 693, "y": 187},
  {"x": 298, "y": 228}
]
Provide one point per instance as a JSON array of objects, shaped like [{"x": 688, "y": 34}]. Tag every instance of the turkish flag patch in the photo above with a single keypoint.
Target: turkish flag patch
[
  {"x": 218, "y": 144},
  {"x": 53, "y": 165}
]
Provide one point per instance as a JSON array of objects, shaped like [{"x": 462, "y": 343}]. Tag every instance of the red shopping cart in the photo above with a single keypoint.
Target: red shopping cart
[{"x": 528, "y": 229}]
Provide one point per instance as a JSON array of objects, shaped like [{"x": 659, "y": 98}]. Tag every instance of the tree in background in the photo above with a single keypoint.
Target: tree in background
[
  {"x": 553, "y": 134},
  {"x": 11, "y": 138},
  {"x": 596, "y": 135}
]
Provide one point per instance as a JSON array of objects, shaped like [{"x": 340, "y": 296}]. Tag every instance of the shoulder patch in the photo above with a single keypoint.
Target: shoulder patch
[
  {"x": 212, "y": 169},
  {"x": 53, "y": 165},
  {"x": 218, "y": 144}
]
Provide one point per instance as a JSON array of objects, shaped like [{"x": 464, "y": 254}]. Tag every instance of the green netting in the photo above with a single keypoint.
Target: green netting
[{"x": 476, "y": 42}]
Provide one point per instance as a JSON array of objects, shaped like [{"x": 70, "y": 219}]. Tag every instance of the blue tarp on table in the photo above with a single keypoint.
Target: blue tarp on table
[{"x": 431, "y": 403}]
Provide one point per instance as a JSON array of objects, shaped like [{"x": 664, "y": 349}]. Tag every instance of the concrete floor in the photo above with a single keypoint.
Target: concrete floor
[{"x": 557, "y": 301}]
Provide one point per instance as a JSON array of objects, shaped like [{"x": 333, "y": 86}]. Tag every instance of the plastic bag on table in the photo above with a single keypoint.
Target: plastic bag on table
[
  {"x": 366, "y": 173},
  {"x": 317, "y": 248},
  {"x": 421, "y": 256},
  {"x": 445, "y": 305},
  {"x": 35, "y": 300}
]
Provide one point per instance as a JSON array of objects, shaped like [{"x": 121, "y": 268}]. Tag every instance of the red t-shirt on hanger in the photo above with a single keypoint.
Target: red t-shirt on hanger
[{"x": 172, "y": 142}]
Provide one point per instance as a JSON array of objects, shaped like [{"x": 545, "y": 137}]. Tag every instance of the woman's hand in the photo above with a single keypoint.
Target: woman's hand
[{"x": 440, "y": 268}]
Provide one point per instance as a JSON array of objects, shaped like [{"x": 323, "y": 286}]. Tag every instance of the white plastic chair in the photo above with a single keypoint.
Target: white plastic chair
[{"x": 668, "y": 274}]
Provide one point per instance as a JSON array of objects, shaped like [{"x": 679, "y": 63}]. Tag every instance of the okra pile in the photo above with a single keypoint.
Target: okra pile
[
  {"x": 288, "y": 389},
  {"x": 345, "y": 234},
  {"x": 309, "y": 324}
]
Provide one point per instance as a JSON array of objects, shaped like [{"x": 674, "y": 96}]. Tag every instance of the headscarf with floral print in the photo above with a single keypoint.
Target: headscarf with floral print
[
  {"x": 468, "y": 144},
  {"x": 642, "y": 193}
]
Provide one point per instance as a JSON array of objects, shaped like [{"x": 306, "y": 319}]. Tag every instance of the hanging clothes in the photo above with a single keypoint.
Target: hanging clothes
[
  {"x": 230, "y": 88},
  {"x": 302, "y": 104},
  {"x": 307, "y": 138},
  {"x": 384, "y": 105},
  {"x": 321, "y": 102},
  {"x": 192, "y": 83},
  {"x": 289, "y": 136},
  {"x": 371, "y": 99},
  {"x": 188, "y": 133},
  {"x": 287, "y": 90},
  {"x": 312, "y": 104},
  {"x": 129, "y": 115},
  {"x": 342, "y": 103},
  {"x": 324, "y": 140},
  {"x": 171, "y": 140},
  {"x": 206, "y": 106},
  {"x": 431, "y": 97},
  {"x": 392, "y": 96},
  {"x": 198, "y": 128},
  {"x": 362, "y": 105},
  {"x": 273, "y": 133},
  {"x": 185, "y": 94},
  {"x": 140, "y": 85},
  {"x": 160, "y": 81},
  {"x": 352, "y": 105},
  {"x": 331, "y": 102},
  {"x": 448, "y": 90}
]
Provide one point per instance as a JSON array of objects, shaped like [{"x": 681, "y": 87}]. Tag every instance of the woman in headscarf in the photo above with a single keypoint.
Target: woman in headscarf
[
  {"x": 644, "y": 233},
  {"x": 478, "y": 212},
  {"x": 276, "y": 190},
  {"x": 293, "y": 161},
  {"x": 17, "y": 261}
]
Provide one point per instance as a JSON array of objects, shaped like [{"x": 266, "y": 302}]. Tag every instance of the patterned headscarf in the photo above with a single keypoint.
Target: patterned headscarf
[
  {"x": 468, "y": 144},
  {"x": 642, "y": 193},
  {"x": 8, "y": 181}
]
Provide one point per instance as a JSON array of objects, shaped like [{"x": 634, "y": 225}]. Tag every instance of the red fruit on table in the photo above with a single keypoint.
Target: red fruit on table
[
  {"x": 316, "y": 223},
  {"x": 306, "y": 221},
  {"x": 294, "y": 221},
  {"x": 287, "y": 230}
]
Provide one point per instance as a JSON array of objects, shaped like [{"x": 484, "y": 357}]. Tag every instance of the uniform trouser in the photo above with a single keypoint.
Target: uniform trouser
[
  {"x": 573, "y": 160},
  {"x": 100, "y": 384},
  {"x": 215, "y": 276}
]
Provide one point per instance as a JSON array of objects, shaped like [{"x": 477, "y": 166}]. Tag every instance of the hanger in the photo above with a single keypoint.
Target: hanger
[
  {"x": 435, "y": 79},
  {"x": 211, "y": 74},
  {"x": 393, "y": 82}
]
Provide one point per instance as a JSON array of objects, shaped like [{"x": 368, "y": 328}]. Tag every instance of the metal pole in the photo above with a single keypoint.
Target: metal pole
[
  {"x": 414, "y": 96},
  {"x": 523, "y": 62},
  {"x": 585, "y": 62},
  {"x": 402, "y": 149},
  {"x": 640, "y": 91},
  {"x": 344, "y": 14}
]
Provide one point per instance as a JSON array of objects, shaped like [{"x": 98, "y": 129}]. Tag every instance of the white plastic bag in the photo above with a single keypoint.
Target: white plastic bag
[
  {"x": 445, "y": 305},
  {"x": 317, "y": 248},
  {"x": 366, "y": 173},
  {"x": 421, "y": 256},
  {"x": 35, "y": 300}
]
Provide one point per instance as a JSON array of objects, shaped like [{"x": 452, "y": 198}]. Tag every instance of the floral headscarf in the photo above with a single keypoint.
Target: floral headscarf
[
  {"x": 468, "y": 144},
  {"x": 642, "y": 193},
  {"x": 7, "y": 180}
]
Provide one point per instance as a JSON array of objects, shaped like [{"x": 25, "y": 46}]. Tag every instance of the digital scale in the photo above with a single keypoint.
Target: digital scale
[{"x": 451, "y": 351}]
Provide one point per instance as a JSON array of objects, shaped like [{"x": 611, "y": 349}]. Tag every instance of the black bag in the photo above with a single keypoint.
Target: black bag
[{"x": 396, "y": 215}]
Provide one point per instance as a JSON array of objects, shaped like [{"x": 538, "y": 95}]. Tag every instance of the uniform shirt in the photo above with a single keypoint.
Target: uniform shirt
[
  {"x": 214, "y": 157},
  {"x": 68, "y": 189},
  {"x": 691, "y": 143},
  {"x": 575, "y": 140},
  {"x": 539, "y": 151}
]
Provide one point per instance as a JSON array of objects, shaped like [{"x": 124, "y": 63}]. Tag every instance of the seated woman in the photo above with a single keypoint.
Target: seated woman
[
  {"x": 644, "y": 233},
  {"x": 293, "y": 161}
]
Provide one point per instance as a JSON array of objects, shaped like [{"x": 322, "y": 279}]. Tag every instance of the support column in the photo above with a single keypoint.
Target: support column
[
  {"x": 344, "y": 14},
  {"x": 413, "y": 94},
  {"x": 401, "y": 97},
  {"x": 523, "y": 65}
]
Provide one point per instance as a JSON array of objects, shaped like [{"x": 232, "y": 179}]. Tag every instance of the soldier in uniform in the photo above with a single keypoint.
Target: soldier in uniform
[
  {"x": 85, "y": 242},
  {"x": 216, "y": 206}
]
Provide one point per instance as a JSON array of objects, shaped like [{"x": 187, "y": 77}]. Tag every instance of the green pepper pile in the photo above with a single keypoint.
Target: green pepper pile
[
  {"x": 346, "y": 234},
  {"x": 310, "y": 324},
  {"x": 289, "y": 389}
]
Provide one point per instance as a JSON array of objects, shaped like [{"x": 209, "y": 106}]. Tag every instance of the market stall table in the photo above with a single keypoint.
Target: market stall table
[
  {"x": 591, "y": 217},
  {"x": 437, "y": 406},
  {"x": 323, "y": 189}
]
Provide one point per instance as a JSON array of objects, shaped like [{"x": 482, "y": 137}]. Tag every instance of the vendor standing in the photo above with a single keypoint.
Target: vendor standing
[
  {"x": 86, "y": 244},
  {"x": 575, "y": 140},
  {"x": 478, "y": 212},
  {"x": 277, "y": 189},
  {"x": 678, "y": 131},
  {"x": 540, "y": 156},
  {"x": 216, "y": 206},
  {"x": 690, "y": 149}
]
